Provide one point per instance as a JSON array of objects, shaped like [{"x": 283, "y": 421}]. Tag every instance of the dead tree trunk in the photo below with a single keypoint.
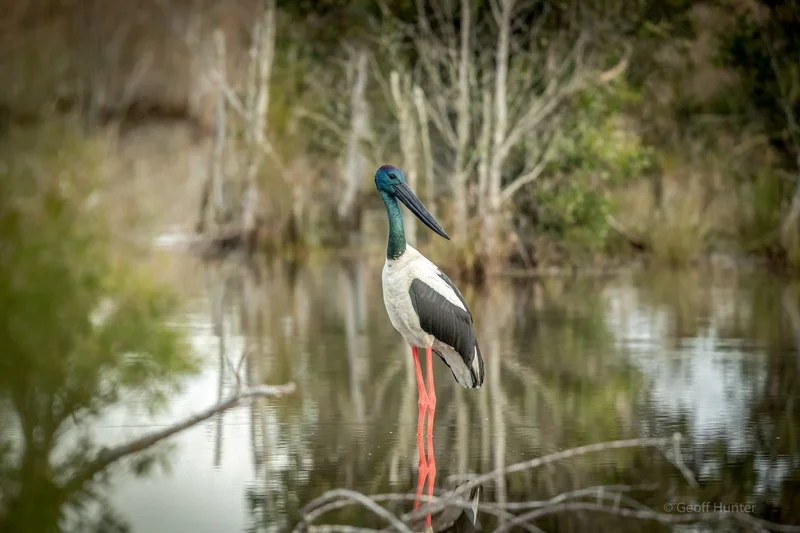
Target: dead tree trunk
[
  {"x": 251, "y": 111},
  {"x": 500, "y": 125},
  {"x": 484, "y": 150},
  {"x": 427, "y": 151},
  {"x": 262, "y": 55},
  {"x": 359, "y": 123},
  {"x": 436, "y": 55},
  {"x": 463, "y": 120},
  {"x": 219, "y": 186},
  {"x": 401, "y": 94}
]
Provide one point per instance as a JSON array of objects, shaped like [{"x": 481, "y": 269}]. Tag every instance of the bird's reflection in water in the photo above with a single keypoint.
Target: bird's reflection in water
[
  {"x": 453, "y": 518},
  {"x": 427, "y": 469},
  {"x": 427, "y": 402}
]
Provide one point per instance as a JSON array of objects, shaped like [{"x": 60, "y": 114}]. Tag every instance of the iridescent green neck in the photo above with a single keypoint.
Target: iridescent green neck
[{"x": 397, "y": 234}]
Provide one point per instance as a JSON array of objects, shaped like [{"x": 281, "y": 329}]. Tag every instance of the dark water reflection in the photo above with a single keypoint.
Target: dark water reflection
[{"x": 569, "y": 362}]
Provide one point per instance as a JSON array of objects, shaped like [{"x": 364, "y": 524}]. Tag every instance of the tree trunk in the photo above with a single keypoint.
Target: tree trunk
[
  {"x": 264, "y": 37},
  {"x": 354, "y": 158},
  {"x": 498, "y": 155},
  {"x": 400, "y": 87},
  {"x": 463, "y": 123},
  {"x": 427, "y": 152},
  {"x": 219, "y": 186}
]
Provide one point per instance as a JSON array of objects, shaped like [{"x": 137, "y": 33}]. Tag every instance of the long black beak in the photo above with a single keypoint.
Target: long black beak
[{"x": 410, "y": 200}]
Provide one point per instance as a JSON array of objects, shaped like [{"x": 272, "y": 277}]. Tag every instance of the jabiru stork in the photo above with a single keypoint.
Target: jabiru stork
[{"x": 426, "y": 308}]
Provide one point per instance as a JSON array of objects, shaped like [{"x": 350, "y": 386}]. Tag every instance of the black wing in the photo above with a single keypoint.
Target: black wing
[
  {"x": 447, "y": 322},
  {"x": 458, "y": 293}
]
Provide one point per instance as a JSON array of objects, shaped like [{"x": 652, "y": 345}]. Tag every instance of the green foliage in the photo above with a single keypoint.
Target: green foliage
[
  {"x": 604, "y": 141},
  {"x": 79, "y": 330},
  {"x": 574, "y": 214},
  {"x": 602, "y": 151}
]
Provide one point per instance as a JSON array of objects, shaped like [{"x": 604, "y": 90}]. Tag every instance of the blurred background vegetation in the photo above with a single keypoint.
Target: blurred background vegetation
[{"x": 667, "y": 129}]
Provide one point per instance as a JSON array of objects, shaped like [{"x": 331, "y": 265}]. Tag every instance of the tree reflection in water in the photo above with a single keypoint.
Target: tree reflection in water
[
  {"x": 82, "y": 335},
  {"x": 569, "y": 362},
  {"x": 79, "y": 334}
]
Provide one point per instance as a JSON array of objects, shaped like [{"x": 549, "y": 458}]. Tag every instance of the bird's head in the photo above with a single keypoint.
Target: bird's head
[{"x": 391, "y": 181}]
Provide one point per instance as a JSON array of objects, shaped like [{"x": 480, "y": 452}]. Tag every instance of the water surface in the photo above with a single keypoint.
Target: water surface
[{"x": 569, "y": 362}]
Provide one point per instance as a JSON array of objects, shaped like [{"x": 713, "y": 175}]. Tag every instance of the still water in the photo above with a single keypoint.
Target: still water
[{"x": 714, "y": 355}]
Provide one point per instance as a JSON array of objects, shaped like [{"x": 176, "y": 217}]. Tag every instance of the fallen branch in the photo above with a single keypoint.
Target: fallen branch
[
  {"x": 558, "y": 504},
  {"x": 328, "y": 502},
  {"x": 107, "y": 456}
]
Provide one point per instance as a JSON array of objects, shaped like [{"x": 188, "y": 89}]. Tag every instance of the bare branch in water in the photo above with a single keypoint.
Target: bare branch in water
[
  {"x": 608, "y": 499},
  {"x": 327, "y": 503}
]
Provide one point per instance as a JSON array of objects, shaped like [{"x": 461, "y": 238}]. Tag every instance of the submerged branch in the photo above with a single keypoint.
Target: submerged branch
[
  {"x": 328, "y": 502},
  {"x": 609, "y": 499}
]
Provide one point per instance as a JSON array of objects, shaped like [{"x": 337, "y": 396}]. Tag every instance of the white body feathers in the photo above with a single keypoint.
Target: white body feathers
[{"x": 397, "y": 277}]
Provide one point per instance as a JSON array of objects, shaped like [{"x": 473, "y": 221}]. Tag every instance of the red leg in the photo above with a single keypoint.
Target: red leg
[
  {"x": 431, "y": 411},
  {"x": 423, "y": 401},
  {"x": 431, "y": 388},
  {"x": 422, "y": 471}
]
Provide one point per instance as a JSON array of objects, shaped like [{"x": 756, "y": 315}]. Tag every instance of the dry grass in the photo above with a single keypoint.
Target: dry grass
[
  {"x": 149, "y": 184},
  {"x": 117, "y": 57},
  {"x": 682, "y": 225},
  {"x": 135, "y": 189}
]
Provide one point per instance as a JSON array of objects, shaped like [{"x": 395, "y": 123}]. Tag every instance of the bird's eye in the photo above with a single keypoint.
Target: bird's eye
[{"x": 392, "y": 176}]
